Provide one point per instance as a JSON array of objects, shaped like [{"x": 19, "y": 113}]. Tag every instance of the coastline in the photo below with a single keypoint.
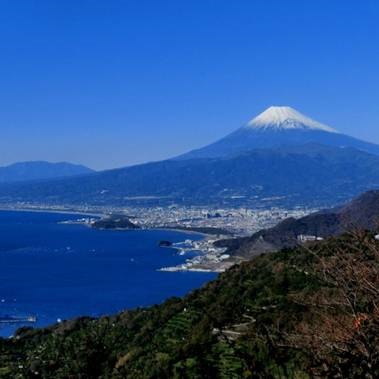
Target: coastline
[{"x": 207, "y": 258}]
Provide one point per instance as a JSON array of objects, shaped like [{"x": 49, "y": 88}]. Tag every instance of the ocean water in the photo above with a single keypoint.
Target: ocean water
[{"x": 59, "y": 271}]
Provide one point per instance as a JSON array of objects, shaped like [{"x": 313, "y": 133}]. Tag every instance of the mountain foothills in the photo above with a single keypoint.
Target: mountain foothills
[
  {"x": 281, "y": 156},
  {"x": 305, "y": 312},
  {"x": 309, "y": 174},
  {"x": 37, "y": 170}
]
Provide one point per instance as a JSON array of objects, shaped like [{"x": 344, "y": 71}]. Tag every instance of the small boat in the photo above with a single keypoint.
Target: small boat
[{"x": 165, "y": 243}]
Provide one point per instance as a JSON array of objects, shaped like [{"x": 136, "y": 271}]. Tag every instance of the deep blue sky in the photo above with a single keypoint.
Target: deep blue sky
[{"x": 110, "y": 83}]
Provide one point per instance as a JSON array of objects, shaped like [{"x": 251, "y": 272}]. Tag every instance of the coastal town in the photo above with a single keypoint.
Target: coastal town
[
  {"x": 237, "y": 222},
  {"x": 213, "y": 223}
]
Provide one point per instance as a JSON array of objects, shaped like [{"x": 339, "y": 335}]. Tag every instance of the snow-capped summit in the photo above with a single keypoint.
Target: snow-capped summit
[
  {"x": 276, "y": 127},
  {"x": 283, "y": 117}
]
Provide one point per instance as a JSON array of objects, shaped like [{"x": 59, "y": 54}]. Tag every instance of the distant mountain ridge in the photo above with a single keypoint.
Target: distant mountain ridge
[
  {"x": 37, "y": 170},
  {"x": 361, "y": 213},
  {"x": 309, "y": 174},
  {"x": 278, "y": 127}
]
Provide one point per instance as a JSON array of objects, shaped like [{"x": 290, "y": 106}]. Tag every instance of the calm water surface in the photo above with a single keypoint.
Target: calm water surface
[{"x": 59, "y": 271}]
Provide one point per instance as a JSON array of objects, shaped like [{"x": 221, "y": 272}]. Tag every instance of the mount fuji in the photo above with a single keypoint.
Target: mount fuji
[
  {"x": 280, "y": 158},
  {"x": 279, "y": 126}
]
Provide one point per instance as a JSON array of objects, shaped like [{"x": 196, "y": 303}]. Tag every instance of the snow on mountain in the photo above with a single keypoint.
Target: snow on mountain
[
  {"x": 284, "y": 117},
  {"x": 275, "y": 127}
]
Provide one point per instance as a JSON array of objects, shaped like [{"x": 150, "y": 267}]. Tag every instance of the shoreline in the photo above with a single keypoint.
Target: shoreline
[{"x": 206, "y": 260}]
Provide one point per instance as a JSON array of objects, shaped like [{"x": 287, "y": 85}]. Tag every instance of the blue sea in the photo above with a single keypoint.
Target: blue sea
[{"x": 60, "y": 271}]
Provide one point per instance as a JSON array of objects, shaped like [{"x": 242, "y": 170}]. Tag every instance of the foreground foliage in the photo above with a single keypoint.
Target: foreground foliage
[{"x": 300, "y": 313}]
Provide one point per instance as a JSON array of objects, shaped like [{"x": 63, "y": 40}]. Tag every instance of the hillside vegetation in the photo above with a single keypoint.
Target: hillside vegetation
[{"x": 299, "y": 313}]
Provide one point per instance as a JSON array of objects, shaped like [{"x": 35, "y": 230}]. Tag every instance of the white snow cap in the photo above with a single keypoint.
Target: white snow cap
[{"x": 286, "y": 118}]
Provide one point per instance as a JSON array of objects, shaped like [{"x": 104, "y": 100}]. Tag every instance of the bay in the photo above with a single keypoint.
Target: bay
[{"x": 61, "y": 271}]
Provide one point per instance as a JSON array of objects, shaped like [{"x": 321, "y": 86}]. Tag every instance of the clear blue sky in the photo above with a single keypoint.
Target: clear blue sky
[{"x": 110, "y": 83}]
